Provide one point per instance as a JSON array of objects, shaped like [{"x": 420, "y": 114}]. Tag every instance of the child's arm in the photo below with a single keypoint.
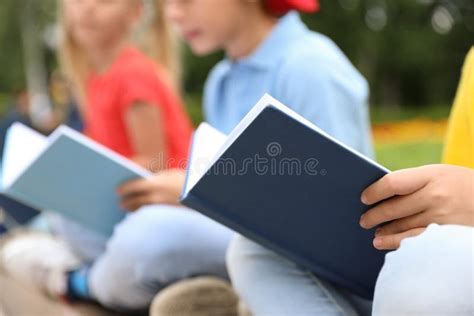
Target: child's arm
[
  {"x": 146, "y": 132},
  {"x": 411, "y": 199}
]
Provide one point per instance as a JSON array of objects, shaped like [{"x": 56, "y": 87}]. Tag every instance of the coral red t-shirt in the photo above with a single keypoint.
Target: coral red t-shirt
[{"x": 133, "y": 78}]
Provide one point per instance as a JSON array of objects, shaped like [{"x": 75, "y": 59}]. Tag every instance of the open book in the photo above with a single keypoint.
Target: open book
[
  {"x": 281, "y": 181},
  {"x": 67, "y": 173}
]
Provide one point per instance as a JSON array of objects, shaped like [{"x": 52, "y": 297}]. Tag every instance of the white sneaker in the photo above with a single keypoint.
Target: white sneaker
[{"x": 39, "y": 260}]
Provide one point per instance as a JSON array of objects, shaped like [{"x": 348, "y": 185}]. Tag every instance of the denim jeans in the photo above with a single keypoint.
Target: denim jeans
[
  {"x": 150, "y": 249},
  {"x": 431, "y": 274},
  {"x": 271, "y": 285}
]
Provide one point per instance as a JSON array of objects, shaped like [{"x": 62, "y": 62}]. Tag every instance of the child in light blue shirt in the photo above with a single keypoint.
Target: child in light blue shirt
[
  {"x": 269, "y": 50},
  {"x": 303, "y": 69}
]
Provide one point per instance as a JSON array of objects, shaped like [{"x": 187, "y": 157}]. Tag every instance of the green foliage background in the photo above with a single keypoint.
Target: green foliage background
[
  {"x": 412, "y": 69},
  {"x": 406, "y": 62}
]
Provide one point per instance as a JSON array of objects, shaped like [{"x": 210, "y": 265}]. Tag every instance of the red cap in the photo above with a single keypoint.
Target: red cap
[{"x": 280, "y": 7}]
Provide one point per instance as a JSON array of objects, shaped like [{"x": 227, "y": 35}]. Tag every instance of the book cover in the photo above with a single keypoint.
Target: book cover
[
  {"x": 69, "y": 174},
  {"x": 284, "y": 183}
]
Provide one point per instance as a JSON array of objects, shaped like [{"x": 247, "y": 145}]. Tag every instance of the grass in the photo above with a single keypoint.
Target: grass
[
  {"x": 399, "y": 156},
  {"x": 394, "y": 114},
  {"x": 418, "y": 152}
]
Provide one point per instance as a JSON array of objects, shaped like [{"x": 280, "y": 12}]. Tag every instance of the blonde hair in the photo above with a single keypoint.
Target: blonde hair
[{"x": 154, "y": 37}]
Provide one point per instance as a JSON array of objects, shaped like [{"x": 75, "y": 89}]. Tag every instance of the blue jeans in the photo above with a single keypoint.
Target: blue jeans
[
  {"x": 150, "y": 249},
  {"x": 431, "y": 274},
  {"x": 271, "y": 285}
]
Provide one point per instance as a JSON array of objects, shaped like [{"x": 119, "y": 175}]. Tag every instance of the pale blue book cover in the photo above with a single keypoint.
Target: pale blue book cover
[{"x": 69, "y": 174}]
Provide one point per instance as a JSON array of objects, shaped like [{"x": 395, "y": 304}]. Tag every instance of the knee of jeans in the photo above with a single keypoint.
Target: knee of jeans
[
  {"x": 162, "y": 266},
  {"x": 127, "y": 282},
  {"x": 236, "y": 257},
  {"x": 393, "y": 293},
  {"x": 403, "y": 291},
  {"x": 244, "y": 261},
  {"x": 173, "y": 256},
  {"x": 431, "y": 273}
]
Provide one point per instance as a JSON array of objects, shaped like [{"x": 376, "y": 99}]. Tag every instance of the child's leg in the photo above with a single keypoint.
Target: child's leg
[
  {"x": 85, "y": 243},
  {"x": 431, "y": 274},
  {"x": 152, "y": 248},
  {"x": 271, "y": 285}
]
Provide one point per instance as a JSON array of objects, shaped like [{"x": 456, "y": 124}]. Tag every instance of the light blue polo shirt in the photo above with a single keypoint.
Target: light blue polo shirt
[{"x": 304, "y": 70}]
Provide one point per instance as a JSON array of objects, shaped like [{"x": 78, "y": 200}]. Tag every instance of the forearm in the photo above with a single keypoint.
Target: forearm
[
  {"x": 153, "y": 163},
  {"x": 147, "y": 135}
]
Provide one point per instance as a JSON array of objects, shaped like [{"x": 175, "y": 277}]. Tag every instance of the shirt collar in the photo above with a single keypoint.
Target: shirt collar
[{"x": 288, "y": 28}]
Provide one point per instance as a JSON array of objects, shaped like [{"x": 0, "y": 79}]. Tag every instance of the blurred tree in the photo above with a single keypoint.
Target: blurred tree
[
  {"x": 408, "y": 52},
  {"x": 11, "y": 58},
  {"x": 32, "y": 19},
  {"x": 23, "y": 60},
  {"x": 411, "y": 51}
]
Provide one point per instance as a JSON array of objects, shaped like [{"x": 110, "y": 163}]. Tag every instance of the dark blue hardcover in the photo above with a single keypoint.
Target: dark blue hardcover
[{"x": 311, "y": 216}]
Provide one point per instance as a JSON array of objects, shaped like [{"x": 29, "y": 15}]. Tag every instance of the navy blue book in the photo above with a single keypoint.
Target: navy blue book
[
  {"x": 284, "y": 183},
  {"x": 65, "y": 173}
]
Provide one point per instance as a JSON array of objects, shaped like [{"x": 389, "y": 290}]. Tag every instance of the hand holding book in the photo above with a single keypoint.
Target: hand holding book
[
  {"x": 163, "y": 187},
  {"x": 66, "y": 173},
  {"x": 411, "y": 199}
]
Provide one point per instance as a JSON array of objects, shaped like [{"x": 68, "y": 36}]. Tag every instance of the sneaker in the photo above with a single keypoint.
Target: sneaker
[
  {"x": 39, "y": 260},
  {"x": 203, "y": 296}
]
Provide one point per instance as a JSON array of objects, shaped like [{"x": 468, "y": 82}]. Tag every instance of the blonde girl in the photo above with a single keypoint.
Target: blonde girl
[{"x": 129, "y": 104}]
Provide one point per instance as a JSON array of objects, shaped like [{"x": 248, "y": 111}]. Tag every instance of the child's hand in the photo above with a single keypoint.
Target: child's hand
[
  {"x": 414, "y": 198},
  {"x": 162, "y": 188}
]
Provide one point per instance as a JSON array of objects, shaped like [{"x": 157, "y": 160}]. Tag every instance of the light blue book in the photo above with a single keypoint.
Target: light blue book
[{"x": 66, "y": 173}]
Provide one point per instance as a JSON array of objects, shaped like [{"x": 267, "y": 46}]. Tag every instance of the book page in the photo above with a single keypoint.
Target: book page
[
  {"x": 22, "y": 146},
  {"x": 209, "y": 144},
  {"x": 206, "y": 144}
]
